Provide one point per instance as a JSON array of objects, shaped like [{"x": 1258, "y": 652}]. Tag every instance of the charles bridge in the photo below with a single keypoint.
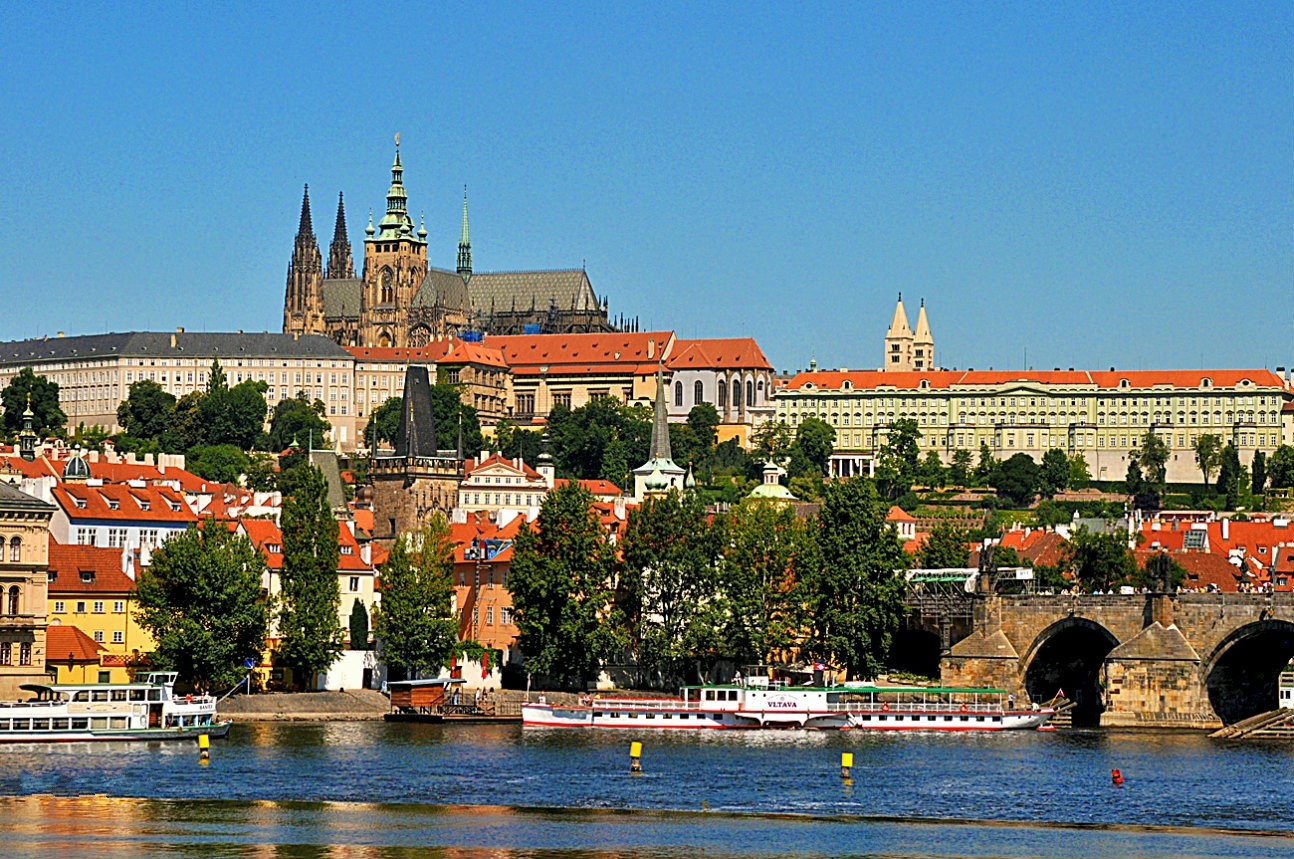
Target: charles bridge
[{"x": 1155, "y": 659}]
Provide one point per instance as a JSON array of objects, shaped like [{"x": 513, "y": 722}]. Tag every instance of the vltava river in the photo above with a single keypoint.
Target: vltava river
[{"x": 377, "y": 790}]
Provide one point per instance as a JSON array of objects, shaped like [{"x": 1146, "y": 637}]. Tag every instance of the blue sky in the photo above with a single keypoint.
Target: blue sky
[{"x": 1065, "y": 184}]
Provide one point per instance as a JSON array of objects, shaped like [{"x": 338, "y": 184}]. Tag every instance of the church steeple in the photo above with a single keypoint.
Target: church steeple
[
  {"x": 923, "y": 342},
  {"x": 306, "y": 228},
  {"x": 658, "y": 474},
  {"x": 302, "y": 302},
  {"x": 659, "y": 449},
  {"x": 396, "y": 223},
  {"x": 340, "y": 262},
  {"x": 464, "y": 242},
  {"x": 898, "y": 341}
]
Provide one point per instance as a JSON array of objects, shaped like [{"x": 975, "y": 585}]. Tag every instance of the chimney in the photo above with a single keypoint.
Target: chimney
[{"x": 1226, "y": 528}]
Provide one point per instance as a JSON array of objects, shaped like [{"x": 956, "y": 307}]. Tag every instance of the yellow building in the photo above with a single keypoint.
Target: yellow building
[
  {"x": 24, "y": 521},
  {"x": 1098, "y": 414},
  {"x": 93, "y": 589}
]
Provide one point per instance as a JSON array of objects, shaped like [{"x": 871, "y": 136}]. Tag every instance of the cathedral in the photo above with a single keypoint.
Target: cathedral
[
  {"x": 398, "y": 300},
  {"x": 907, "y": 350}
]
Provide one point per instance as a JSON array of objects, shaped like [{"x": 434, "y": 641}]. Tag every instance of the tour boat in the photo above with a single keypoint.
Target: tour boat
[
  {"x": 761, "y": 703},
  {"x": 147, "y": 710}
]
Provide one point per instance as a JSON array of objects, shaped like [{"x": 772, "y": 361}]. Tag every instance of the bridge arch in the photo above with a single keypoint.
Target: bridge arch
[
  {"x": 1240, "y": 673},
  {"x": 1070, "y": 655},
  {"x": 915, "y": 650}
]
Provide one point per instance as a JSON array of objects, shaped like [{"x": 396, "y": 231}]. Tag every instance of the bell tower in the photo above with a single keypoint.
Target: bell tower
[
  {"x": 303, "y": 299},
  {"x": 395, "y": 263}
]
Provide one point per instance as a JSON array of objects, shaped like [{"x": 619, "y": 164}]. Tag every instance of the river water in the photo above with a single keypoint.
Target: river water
[{"x": 376, "y": 790}]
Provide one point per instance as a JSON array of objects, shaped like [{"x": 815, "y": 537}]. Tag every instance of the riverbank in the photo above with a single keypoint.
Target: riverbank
[{"x": 359, "y": 705}]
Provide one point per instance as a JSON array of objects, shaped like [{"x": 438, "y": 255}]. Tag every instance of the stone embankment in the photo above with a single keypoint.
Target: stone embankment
[{"x": 349, "y": 706}]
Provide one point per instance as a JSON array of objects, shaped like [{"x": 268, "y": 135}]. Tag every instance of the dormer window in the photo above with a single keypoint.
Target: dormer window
[
  {"x": 347, "y": 550},
  {"x": 114, "y": 504},
  {"x": 87, "y": 577},
  {"x": 80, "y": 503},
  {"x": 143, "y": 503},
  {"x": 175, "y": 505},
  {"x": 273, "y": 548}
]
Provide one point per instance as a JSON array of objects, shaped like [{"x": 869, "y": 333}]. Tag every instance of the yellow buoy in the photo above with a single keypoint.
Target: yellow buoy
[
  {"x": 846, "y": 764},
  {"x": 204, "y": 747},
  {"x": 635, "y": 754}
]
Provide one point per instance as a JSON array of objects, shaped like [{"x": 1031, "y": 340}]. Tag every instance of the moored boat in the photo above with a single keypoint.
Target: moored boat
[
  {"x": 761, "y": 703},
  {"x": 146, "y": 710}
]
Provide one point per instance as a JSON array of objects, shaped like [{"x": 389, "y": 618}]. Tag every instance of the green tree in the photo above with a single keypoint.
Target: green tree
[
  {"x": 221, "y": 463},
  {"x": 1258, "y": 473},
  {"x": 297, "y": 419},
  {"x": 1079, "y": 474},
  {"x": 1017, "y": 480},
  {"x": 47, "y": 417},
  {"x": 1231, "y": 476},
  {"x": 704, "y": 421},
  {"x": 762, "y": 542},
  {"x": 358, "y": 626},
  {"x": 1280, "y": 467},
  {"x": 897, "y": 469},
  {"x": 310, "y": 632},
  {"x": 527, "y": 444},
  {"x": 186, "y": 430},
  {"x": 1054, "y": 474},
  {"x": 1208, "y": 455},
  {"x": 987, "y": 465},
  {"x": 669, "y": 553},
  {"x": 770, "y": 441},
  {"x": 816, "y": 440},
  {"x": 414, "y": 624},
  {"x": 1152, "y": 460},
  {"x": 453, "y": 419},
  {"x": 851, "y": 587},
  {"x": 200, "y": 599},
  {"x": 615, "y": 463},
  {"x": 147, "y": 411},
  {"x": 1099, "y": 561},
  {"x": 580, "y": 437},
  {"x": 931, "y": 472},
  {"x": 948, "y": 546},
  {"x": 959, "y": 473},
  {"x": 1050, "y": 513},
  {"x": 560, "y": 580},
  {"x": 383, "y": 422},
  {"x": 232, "y": 415}
]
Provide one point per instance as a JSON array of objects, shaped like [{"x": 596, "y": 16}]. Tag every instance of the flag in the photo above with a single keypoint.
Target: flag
[{"x": 485, "y": 664}]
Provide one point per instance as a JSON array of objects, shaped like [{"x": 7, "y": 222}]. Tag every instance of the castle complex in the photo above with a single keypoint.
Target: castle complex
[{"x": 398, "y": 300}]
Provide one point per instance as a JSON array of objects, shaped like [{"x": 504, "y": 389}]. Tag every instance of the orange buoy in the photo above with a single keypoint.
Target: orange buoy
[{"x": 1116, "y": 778}]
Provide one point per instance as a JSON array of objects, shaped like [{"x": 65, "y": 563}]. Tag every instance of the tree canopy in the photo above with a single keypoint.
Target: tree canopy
[
  {"x": 1017, "y": 479},
  {"x": 581, "y": 439},
  {"x": 147, "y": 411},
  {"x": 310, "y": 632},
  {"x": 896, "y": 472},
  {"x": 414, "y": 625},
  {"x": 47, "y": 417},
  {"x": 200, "y": 598},
  {"x": 298, "y": 419}
]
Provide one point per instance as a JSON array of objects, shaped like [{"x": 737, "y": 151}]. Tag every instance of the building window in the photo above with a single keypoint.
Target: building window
[
  {"x": 98, "y": 606},
  {"x": 354, "y": 584},
  {"x": 12, "y": 603},
  {"x": 59, "y": 606},
  {"x": 98, "y": 636},
  {"x": 489, "y": 615},
  {"x": 80, "y": 607},
  {"x": 118, "y": 637},
  {"x": 678, "y": 394},
  {"x": 505, "y": 615},
  {"x": 698, "y": 393},
  {"x": 750, "y": 393},
  {"x": 6, "y": 653},
  {"x": 24, "y": 653},
  {"x": 15, "y": 550},
  {"x": 118, "y": 606}
]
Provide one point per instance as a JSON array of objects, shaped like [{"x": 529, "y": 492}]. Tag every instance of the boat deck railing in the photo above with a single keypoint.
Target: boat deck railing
[{"x": 913, "y": 707}]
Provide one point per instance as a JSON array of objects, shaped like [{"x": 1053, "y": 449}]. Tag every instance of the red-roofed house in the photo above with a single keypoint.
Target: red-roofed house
[
  {"x": 118, "y": 516},
  {"x": 730, "y": 374},
  {"x": 75, "y": 656},
  {"x": 482, "y": 557},
  {"x": 602, "y": 490},
  {"x": 493, "y": 484},
  {"x": 92, "y": 588}
]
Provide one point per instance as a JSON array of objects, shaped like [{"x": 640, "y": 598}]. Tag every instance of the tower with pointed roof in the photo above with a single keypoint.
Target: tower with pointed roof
[
  {"x": 923, "y": 342},
  {"x": 340, "y": 263},
  {"x": 898, "y": 341},
  {"x": 395, "y": 263},
  {"x": 464, "y": 243},
  {"x": 659, "y": 474},
  {"x": 303, "y": 302}
]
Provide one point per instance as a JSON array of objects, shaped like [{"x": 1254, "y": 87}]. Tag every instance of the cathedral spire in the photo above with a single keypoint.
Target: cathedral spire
[
  {"x": 306, "y": 228},
  {"x": 660, "y": 422},
  {"x": 464, "y": 242},
  {"x": 340, "y": 262},
  {"x": 396, "y": 223}
]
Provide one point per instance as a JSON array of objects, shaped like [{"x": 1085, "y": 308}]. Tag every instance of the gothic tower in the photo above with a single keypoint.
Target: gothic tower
[
  {"x": 395, "y": 263},
  {"x": 464, "y": 243},
  {"x": 898, "y": 341},
  {"x": 340, "y": 264},
  {"x": 303, "y": 302}
]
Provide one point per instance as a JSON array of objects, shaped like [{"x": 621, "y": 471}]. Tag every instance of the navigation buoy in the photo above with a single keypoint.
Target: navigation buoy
[
  {"x": 635, "y": 757},
  {"x": 1116, "y": 778},
  {"x": 204, "y": 748},
  {"x": 846, "y": 765}
]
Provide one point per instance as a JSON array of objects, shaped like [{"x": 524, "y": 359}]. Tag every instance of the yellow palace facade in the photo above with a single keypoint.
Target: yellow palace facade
[{"x": 1101, "y": 415}]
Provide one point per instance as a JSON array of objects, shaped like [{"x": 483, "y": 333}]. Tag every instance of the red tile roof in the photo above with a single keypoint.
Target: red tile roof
[
  {"x": 600, "y": 488},
  {"x": 613, "y": 352},
  {"x": 1137, "y": 379},
  {"x": 97, "y": 502},
  {"x": 471, "y": 465},
  {"x": 734, "y": 352},
  {"x": 438, "y": 351},
  {"x": 478, "y": 526},
  {"x": 1202, "y": 569},
  {"x": 264, "y": 533},
  {"x": 68, "y": 562},
  {"x": 62, "y": 642}
]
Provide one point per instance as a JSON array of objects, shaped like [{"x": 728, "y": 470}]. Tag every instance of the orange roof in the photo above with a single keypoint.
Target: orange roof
[
  {"x": 636, "y": 352},
  {"x": 264, "y": 534},
  {"x": 478, "y": 526},
  {"x": 68, "y": 563},
  {"x": 1139, "y": 379},
  {"x": 65, "y": 644},
  {"x": 437, "y": 351},
  {"x": 518, "y": 464},
  {"x": 1202, "y": 569},
  {"x": 119, "y": 502},
  {"x": 898, "y": 514},
  {"x": 598, "y": 487},
  {"x": 714, "y": 354},
  {"x": 364, "y": 521}
]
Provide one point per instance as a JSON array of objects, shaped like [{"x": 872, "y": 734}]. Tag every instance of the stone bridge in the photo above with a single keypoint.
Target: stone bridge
[{"x": 1147, "y": 659}]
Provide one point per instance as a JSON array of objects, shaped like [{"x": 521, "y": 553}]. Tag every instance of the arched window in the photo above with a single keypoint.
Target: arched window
[
  {"x": 15, "y": 550},
  {"x": 750, "y": 393},
  {"x": 698, "y": 393},
  {"x": 678, "y": 393},
  {"x": 736, "y": 392},
  {"x": 723, "y": 394},
  {"x": 386, "y": 282},
  {"x": 13, "y": 600}
]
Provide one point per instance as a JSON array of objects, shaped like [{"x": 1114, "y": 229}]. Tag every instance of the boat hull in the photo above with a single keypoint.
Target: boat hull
[
  {"x": 660, "y": 718},
  {"x": 189, "y": 732}
]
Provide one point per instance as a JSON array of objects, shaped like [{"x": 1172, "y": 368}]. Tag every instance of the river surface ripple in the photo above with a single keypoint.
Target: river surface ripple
[{"x": 372, "y": 789}]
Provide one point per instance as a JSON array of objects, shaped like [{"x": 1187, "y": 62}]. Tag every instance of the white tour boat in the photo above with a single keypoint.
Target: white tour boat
[
  {"x": 147, "y": 710},
  {"x": 762, "y": 703}
]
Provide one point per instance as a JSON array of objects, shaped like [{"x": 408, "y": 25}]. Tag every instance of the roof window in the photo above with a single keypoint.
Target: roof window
[{"x": 87, "y": 576}]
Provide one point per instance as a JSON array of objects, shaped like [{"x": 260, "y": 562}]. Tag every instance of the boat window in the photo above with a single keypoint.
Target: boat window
[
  {"x": 98, "y": 723},
  {"x": 21, "y": 724},
  {"x": 884, "y": 718},
  {"x": 965, "y": 718},
  {"x": 119, "y": 694},
  {"x": 709, "y": 694},
  {"x": 40, "y": 724},
  {"x": 651, "y": 715},
  {"x": 83, "y": 695},
  {"x": 138, "y": 694},
  {"x": 154, "y": 694},
  {"x": 117, "y": 722},
  {"x": 60, "y": 724},
  {"x": 80, "y": 724},
  {"x": 4, "y": 724},
  {"x": 99, "y": 695},
  {"x": 979, "y": 718}
]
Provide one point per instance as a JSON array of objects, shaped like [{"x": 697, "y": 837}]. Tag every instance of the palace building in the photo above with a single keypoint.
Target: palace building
[{"x": 399, "y": 300}]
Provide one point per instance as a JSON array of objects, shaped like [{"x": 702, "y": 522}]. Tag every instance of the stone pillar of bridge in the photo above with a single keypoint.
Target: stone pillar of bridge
[{"x": 986, "y": 657}]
